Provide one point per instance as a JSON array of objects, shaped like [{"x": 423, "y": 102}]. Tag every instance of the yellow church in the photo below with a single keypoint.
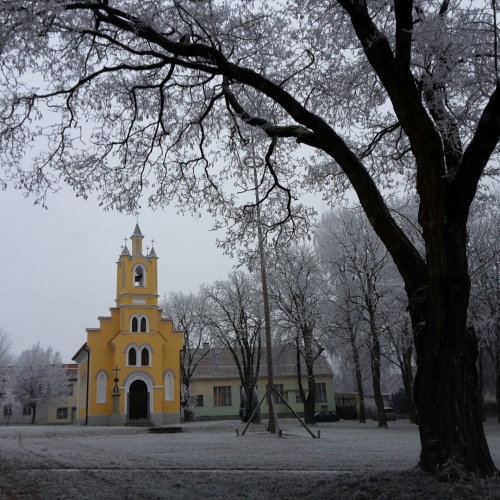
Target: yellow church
[{"x": 129, "y": 368}]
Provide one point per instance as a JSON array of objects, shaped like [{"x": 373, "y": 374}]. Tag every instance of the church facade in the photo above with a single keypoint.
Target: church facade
[{"x": 129, "y": 368}]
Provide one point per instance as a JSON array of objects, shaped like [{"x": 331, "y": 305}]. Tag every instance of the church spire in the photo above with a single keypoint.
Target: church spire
[{"x": 137, "y": 238}]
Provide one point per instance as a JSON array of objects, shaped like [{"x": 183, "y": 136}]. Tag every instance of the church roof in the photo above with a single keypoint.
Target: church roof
[
  {"x": 152, "y": 253},
  {"x": 137, "y": 231},
  {"x": 125, "y": 251},
  {"x": 83, "y": 348}
]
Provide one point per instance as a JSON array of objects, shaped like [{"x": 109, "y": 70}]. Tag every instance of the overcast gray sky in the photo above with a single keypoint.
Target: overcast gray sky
[{"x": 59, "y": 265}]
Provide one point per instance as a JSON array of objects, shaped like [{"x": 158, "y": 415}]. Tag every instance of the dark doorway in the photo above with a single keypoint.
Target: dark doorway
[{"x": 138, "y": 401}]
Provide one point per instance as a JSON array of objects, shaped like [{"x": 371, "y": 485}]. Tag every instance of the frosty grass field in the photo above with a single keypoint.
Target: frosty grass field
[{"x": 208, "y": 460}]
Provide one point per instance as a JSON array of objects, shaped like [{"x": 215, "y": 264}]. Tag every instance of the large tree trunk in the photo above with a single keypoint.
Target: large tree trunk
[
  {"x": 446, "y": 384},
  {"x": 33, "y": 416}
]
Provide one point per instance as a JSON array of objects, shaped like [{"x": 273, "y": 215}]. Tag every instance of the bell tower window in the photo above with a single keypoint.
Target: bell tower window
[
  {"x": 139, "y": 276},
  {"x": 144, "y": 357},
  {"x": 144, "y": 325}
]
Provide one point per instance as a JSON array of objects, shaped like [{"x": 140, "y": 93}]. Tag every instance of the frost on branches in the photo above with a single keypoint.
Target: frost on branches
[
  {"x": 128, "y": 97},
  {"x": 38, "y": 377},
  {"x": 187, "y": 312}
]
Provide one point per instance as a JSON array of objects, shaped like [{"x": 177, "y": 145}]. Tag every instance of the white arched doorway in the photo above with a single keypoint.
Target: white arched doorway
[{"x": 138, "y": 396}]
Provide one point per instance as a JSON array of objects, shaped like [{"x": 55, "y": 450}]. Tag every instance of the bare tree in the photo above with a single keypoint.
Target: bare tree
[
  {"x": 484, "y": 255},
  {"x": 37, "y": 377},
  {"x": 295, "y": 287},
  {"x": 381, "y": 93},
  {"x": 397, "y": 330},
  {"x": 344, "y": 316},
  {"x": 348, "y": 244},
  {"x": 6, "y": 357},
  {"x": 188, "y": 314},
  {"x": 235, "y": 319}
]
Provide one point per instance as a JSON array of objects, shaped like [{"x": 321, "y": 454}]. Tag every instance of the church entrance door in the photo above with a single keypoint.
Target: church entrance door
[{"x": 138, "y": 401}]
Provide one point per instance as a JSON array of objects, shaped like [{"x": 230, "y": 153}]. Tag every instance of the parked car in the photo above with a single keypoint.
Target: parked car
[
  {"x": 390, "y": 414},
  {"x": 326, "y": 416}
]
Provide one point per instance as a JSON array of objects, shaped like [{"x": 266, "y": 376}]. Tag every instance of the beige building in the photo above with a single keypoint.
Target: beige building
[
  {"x": 55, "y": 412},
  {"x": 217, "y": 384}
]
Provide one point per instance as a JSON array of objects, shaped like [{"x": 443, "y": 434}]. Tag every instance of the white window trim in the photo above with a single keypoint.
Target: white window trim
[
  {"x": 144, "y": 272},
  {"x": 139, "y": 318},
  {"x": 132, "y": 346},
  {"x": 169, "y": 385},
  {"x": 145, "y": 346},
  {"x": 102, "y": 382}
]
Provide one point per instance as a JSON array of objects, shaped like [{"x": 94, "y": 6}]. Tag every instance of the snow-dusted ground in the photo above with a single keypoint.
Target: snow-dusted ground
[{"x": 208, "y": 460}]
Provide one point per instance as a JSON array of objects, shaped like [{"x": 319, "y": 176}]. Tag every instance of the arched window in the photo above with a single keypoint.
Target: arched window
[
  {"x": 144, "y": 324},
  {"x": 132, "y": 357},
  {"x": 169, "y": 386},
  {"x": 139, "y": 276},
  {"x": 145, "y": 356},
  {"x": 101, "y": 388},
  {"x": 135, "y": 324}
]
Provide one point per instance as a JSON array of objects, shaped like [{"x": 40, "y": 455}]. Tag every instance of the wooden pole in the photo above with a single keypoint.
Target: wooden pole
[
  {"x": 253, "y": 413},
  {"x": 296, "y": 416},
  {"x": 265, "y": 295}
]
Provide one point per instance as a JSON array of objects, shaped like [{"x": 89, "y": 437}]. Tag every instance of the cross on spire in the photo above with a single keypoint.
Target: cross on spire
[
  {"x": 125, "y": 240},
  {"x": 137, "y": 216}
]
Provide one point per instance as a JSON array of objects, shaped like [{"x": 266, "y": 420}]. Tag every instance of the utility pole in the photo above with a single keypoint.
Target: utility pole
[{"x": 273, "y": 423}]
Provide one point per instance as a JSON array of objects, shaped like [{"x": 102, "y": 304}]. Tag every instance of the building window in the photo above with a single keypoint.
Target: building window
[
  {"x": 222, "y": 396},
  {"x": 199, "y": 400},
  {"x": 71, "y": 389},
  {"x": 27, "y": 409},
  {"x": 320, "y": 393},
  {"x": 101, "y": 388},
  {"x": 135, "y": 322},
  {"x": 132, "y": 357},
  {"x": 139, "y": 324},
  {"x": 62, "y": 413},
  {"x": 297, "y": 397},
  {"x": 7, "y": 411},
  {"x": 169, "y": 386},
  {"x": 145, "y": 356},
  {"x": 277, "y": 398}
]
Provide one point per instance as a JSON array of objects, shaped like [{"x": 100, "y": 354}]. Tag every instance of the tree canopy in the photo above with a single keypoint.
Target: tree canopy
[{"x": 151, "y": 97}]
